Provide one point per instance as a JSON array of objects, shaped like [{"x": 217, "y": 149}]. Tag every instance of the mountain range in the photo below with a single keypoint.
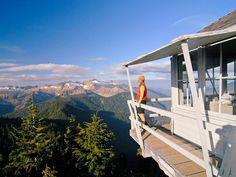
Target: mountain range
[
  {"x": 102, "y": 88},
  {"x": 59, "y": 101},
  {"x": 15, "y": 99}
]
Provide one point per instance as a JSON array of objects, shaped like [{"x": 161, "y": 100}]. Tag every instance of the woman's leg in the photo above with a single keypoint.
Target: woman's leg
[{"x": 142, "y": 117}]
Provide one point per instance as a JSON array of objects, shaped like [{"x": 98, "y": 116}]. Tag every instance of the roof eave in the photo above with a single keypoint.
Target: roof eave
[{"x": 174, "y": 44}]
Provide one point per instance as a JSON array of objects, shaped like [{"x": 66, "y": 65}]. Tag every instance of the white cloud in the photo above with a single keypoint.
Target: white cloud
[
  {"x": 198, "y": 21},
  {"x": 55, "y": 68},
  {"x": 163, "y": 67},
  {"x": 153, "y": 67},
  {"x": 184, "y": 20},
  {"x": 7, "y": 64},
  {"x": 32, "y": 79},
  {"x": 14, "y": 74},
  {"x": 152, "y": 70},
  {"x": 101, "y": 73},
  {"x": 97, "y": 59},
  {"x": 12, "y": 48}
]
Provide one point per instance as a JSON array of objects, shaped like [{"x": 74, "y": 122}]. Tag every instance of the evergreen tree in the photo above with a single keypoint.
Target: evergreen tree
[
  {"x": 6, "y": 141},
  {"x": 1, "y": 159},
  {"x": 48, "y": 172},
  {"x": 70, "y": 144},
  {"x": 70, "y": 135},
  {"x": 34, "y": 146},
  {"x": 95, "y": 152}
]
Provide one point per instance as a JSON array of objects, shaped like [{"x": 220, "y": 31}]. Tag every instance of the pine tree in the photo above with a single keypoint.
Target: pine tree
[
  {"x": 34, "y": 146},
  {"x": 49, "y": 172},
  {"x": 95, "y": 152},
  {"x": 1, "y": 156},
  {"x": 6, "y": 141},
  {"x": 1, "y": 159},
  {"x": 70, "y": 135},
  {"x": 70, "y": 144}
]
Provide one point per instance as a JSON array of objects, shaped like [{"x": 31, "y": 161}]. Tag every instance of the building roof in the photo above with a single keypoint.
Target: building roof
[
  {"x": 194, "y": 41},
  {"x": 222, "y": 23},
  {"x": 226, "y": 28}
]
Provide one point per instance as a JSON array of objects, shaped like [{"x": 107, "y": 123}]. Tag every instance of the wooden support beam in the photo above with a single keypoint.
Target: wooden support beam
[
  {"x": 224, "y": 71},
  {"x": 180, "y": 84},
  {"x": 174, "y": 82},
  {"x": 199, "y": 107},
  {"x": 235, "y": 78},
  {"x": 201, "y": 72},
  {"x": 220, "y": 85}
]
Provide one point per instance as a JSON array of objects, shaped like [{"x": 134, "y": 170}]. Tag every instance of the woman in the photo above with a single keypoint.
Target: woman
[{"x": 141, "y": 97}]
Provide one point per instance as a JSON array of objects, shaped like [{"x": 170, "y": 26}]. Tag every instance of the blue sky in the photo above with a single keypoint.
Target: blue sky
[{"x": 54, "y": 40}]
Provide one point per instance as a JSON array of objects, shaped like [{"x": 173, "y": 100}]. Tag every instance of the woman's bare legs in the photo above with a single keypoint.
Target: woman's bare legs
[{"x": 142, "y": 117}]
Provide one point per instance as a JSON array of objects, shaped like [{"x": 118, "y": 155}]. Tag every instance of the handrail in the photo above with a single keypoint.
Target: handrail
[
  {"x": 160, "y": 99},
  {"x": 209, "y": 127}
]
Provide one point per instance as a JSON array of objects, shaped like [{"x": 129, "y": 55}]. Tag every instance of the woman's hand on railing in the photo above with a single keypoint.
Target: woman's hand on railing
[
  {"x": 154, "y": 99},
  {"x": 139, "y": 104},
  {"x": 160, "y": 99}
]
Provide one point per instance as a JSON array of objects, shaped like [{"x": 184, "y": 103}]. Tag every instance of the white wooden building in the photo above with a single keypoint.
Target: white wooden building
[{"x": 200, "y": 139}]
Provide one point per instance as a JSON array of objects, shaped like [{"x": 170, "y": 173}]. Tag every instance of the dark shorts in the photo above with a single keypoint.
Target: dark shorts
[{"x": 141, "y": 110}]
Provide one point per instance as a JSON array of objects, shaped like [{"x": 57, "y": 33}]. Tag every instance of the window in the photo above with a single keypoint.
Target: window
[
  {"x": 217, "y": 72},
  {"x": 220, "y": 79}
]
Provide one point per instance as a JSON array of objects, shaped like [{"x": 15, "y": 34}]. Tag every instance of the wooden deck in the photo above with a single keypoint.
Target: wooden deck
[{"x": 171, "y": 161}]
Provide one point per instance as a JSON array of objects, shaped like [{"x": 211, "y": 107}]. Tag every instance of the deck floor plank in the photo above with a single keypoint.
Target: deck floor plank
[
  {"x": 188, "y": 168},
  {"x": 181, "y": 165},
  {"x": 201, "y": 174},
  {"x": 177, "y": 159}
]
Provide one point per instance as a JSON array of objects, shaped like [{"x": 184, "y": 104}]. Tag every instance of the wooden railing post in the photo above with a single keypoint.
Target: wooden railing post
[{"x": 137, "y": 128}]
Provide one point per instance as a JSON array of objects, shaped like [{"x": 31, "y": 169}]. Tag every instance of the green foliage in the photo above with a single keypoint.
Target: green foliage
[
  {"x": 139, "y": 152},
  {"x": 70, "y": 134},
  {"x": 86, "y": 146},
  {"x": 6, "y": 141},
  {"x": 95, "y": 152},
  {"x": 1, "y": 159},
  {"x": 49, "y": 172},
  {"x": 35, "y": 145},
  {"x": 80, "y": 105},
  {"x": 70, "y": 144}
]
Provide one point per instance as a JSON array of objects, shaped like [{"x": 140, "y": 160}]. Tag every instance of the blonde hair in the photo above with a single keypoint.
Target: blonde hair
[{"x": 142, "y": 78}]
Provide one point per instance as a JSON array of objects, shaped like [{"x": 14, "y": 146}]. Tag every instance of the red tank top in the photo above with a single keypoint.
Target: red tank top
[{"x": 144, "y": 94}]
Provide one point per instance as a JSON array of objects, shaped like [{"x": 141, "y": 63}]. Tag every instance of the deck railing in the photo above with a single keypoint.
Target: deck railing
[{"x": 157, "y": 111}]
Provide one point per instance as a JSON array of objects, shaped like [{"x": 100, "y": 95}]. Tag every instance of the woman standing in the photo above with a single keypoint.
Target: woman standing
[{"x": 141, "y": 97}]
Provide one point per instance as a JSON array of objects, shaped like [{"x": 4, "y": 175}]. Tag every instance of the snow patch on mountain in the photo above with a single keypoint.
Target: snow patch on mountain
[{"x": 103, "y": 88}]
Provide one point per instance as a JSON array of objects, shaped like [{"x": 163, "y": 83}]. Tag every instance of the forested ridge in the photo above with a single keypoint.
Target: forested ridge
[
  {"x": 38, "y": 149},
  {"x": 36, "y": 146},
  {"x": 61, "y": 121}
]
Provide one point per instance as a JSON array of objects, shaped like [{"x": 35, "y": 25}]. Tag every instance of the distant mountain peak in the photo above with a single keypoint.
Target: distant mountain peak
[{"x": 102, "y": 88}]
